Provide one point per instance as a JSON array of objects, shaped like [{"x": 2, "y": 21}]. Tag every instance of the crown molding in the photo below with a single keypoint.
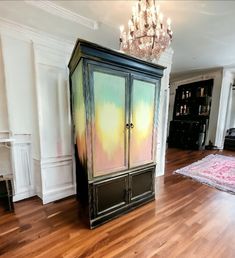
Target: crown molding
[
  {"x": 194, "y": 78},
  {"x": 29, "y": 34},
  {"x": 54, "y": 9}
]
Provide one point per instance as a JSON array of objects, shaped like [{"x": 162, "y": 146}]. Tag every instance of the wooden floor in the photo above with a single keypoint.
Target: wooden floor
[{"x": 187, "y": 219}]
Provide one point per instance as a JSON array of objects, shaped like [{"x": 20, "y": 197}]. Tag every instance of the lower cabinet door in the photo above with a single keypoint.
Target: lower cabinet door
[
  {"x": 110, "y": 195},
  {"x": 142, "y": 184}
]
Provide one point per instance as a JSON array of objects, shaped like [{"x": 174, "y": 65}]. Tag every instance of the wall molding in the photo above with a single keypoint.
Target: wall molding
[
  {"x": 58, "y": 180},
  {"x": 49, "y": 174},
  {"x": 58, "y": 193},
  {"x": 24, "y": 183},
  {"x": 60, "y": 188},
  {"x": 55, "y": 9},
  {"x": 29, "y": 34},
  {"x": 55, "y": 161},
  {"x": 38, "y": 178},
  {"x": 195, "y": 78},
  {"x": 5, "y": 134},
  {"x": 26, "y": 193},
  {"x": 227, "y": 80},
  {"x": 165, "y": 60}
]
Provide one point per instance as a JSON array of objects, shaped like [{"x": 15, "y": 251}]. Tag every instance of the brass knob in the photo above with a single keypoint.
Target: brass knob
[
  {"x": 131, "y": 125},
  {"x": 127, "y": 126}
]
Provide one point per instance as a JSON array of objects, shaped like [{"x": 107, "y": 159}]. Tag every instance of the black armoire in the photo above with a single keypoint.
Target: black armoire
[{"x": 114, "y": 104}]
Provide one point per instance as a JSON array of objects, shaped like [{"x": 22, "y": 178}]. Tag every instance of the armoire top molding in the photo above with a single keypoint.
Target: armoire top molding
[{"x": 93, "y": 51}]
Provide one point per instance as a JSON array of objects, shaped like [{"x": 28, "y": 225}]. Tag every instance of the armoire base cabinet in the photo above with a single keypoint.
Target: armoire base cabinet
[{"x": 114, "y": 106}]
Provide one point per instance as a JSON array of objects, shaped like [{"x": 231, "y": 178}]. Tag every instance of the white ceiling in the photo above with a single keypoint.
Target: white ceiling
[{"x": 204, "y": 34}]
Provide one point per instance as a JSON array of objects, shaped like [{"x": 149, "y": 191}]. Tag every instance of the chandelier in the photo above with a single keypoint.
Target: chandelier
[{"x": 147, "y": 35}]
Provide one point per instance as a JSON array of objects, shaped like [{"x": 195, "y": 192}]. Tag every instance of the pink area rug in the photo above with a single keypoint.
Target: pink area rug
[{"x": 214, "y": 170}]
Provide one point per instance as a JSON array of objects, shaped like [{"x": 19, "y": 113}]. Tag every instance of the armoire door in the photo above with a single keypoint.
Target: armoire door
[
  {"x": 109, "y": 116},
  {"x": 142, "y": 119}
]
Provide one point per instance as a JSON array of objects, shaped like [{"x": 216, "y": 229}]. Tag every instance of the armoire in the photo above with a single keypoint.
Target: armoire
[{"x": 114, "y": 107}]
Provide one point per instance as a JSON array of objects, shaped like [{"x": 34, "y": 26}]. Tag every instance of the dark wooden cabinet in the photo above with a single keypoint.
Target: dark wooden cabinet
[
  {"x": 189, "y": 126},
  {"x": 6, "y": 193},
  {"x": 229, "y": 141},
  {"x": 114, "y": 104}
]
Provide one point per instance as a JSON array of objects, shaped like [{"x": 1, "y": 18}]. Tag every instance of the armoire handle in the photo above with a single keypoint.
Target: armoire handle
[
  {"x": 127, "y": 126},
  {"x": 131, "y": 125}
]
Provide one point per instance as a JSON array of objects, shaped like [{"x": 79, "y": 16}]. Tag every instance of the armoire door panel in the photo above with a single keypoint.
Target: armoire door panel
[
  {"x": 141, "y": 184},
  {"x": 106, "y": 202},
  {"x": 142, "y": 122},
  {"x": 109, "y": 132}
]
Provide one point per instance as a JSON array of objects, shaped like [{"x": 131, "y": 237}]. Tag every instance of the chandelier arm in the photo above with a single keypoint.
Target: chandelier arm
[{"x": 153, "y": 41}]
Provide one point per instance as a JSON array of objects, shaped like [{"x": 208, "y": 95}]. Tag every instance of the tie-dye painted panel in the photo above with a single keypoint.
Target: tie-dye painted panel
[
  {"x": 109, "y": 123},
  {"x": 141, "y": 139}
]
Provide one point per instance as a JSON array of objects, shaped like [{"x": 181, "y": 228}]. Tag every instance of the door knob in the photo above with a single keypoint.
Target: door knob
[
  {"x": 127, "y": 126},
  {"x": 131, "y": 125}
]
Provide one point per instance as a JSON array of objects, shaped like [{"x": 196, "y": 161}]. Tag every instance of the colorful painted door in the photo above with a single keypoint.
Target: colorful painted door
[
  {"x": 142, "y": 118},
  {"x": 109, "y": 135}
]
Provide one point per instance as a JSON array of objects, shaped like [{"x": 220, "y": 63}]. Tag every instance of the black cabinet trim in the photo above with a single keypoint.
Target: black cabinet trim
[
  {"x": 151, "y": 191},
  {"x": 114, "y": 207},
  {"x": 117, "y": 213},
  {"x": 93, "y": 51}
]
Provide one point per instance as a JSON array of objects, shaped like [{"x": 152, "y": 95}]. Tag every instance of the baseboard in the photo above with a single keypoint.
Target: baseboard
[
  {"x": 58, "y": 193},
  {"x": 24, "y": 195}
]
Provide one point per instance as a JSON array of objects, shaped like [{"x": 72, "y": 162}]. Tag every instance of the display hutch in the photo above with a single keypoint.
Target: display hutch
[
  {"x": 190, "y": 122},
  {"x": 114, "y": 103},
  {"x": 6, "y": 176}
]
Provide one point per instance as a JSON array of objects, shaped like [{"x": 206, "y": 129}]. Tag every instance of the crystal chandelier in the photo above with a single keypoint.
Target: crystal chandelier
[{"x": 147, "y": 35}]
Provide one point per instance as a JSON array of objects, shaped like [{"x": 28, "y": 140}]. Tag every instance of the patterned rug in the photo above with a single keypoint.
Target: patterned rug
[{"x": 214, "y": 170}]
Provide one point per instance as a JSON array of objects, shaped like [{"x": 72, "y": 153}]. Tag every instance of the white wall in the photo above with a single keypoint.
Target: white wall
[
  {"x": 166, "y": 61},
  {"x": 19, "y": 99},
  {"x": 223, "y": 107},
  {"x": 3, "y": 105},
  {"x": 232, "y": 117},
  {"x": 34, "y": 110},
  {"x": 56, "y": 162},
  {"x": 18, "y": 82},
  {"x": 217, "y": 113}
]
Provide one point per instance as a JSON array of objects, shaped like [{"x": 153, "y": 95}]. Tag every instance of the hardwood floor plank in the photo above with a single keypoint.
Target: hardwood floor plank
[{"x": 187, "y": 219}]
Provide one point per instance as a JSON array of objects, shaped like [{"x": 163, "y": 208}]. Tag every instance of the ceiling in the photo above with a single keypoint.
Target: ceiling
[{"x": 203, "y": 30}]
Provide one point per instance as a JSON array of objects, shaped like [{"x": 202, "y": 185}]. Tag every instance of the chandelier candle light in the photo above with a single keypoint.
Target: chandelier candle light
[{"x": 147, "y": 35}]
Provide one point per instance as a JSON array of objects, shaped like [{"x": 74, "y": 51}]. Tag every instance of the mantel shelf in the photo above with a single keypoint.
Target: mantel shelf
[{"x": 6, "y": 140}]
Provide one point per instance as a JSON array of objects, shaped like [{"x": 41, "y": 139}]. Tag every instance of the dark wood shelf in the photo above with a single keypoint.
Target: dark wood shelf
[{"x": 191, "y": 115}]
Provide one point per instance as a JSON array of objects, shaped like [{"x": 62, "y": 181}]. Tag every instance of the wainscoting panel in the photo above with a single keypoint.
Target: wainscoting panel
[
  {"x": 56, "y": 163},
  {"x": 22, "y": 168},
  {"x": 58, "y": 178},
  {"x": 54, "y": 109}
]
